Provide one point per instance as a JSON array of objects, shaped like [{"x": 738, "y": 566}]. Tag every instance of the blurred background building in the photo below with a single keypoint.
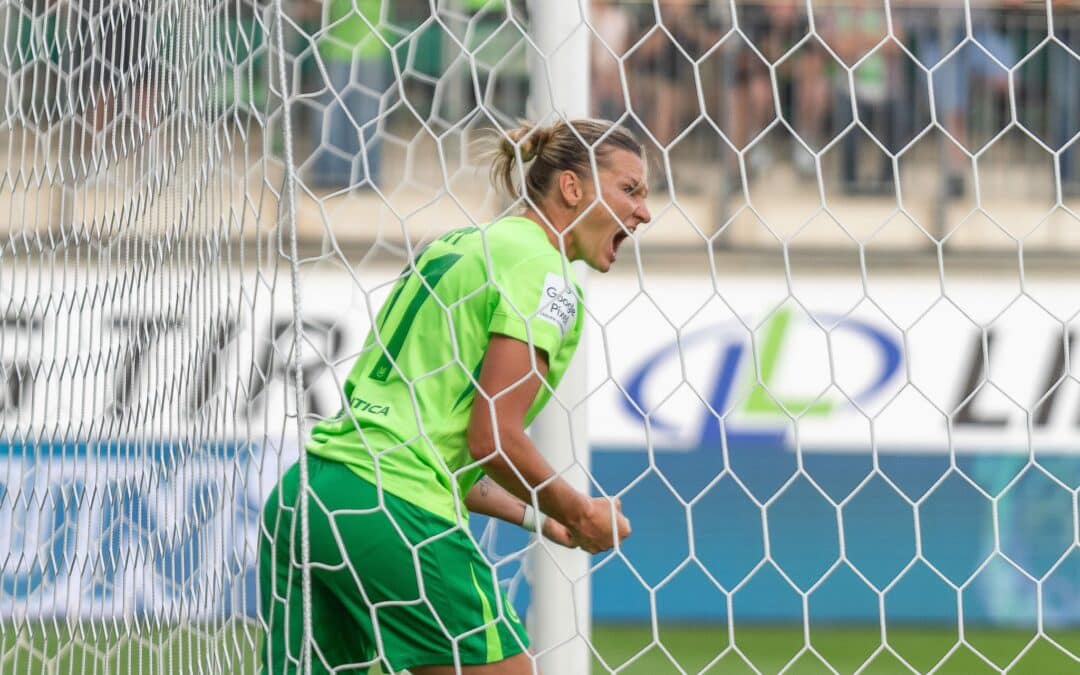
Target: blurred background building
[{"x": 899, "y": 131}]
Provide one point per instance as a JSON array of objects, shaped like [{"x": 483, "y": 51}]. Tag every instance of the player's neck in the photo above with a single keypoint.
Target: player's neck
[{"x": 550, "y": 230}]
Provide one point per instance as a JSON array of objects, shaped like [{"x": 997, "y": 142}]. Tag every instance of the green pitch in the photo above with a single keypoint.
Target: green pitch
[
  {"x": 140, "y": 650},
  {"x": 695, "y": 648}
]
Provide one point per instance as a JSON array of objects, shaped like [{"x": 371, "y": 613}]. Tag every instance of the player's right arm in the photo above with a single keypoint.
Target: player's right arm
[{"x": 508, "y": 385}]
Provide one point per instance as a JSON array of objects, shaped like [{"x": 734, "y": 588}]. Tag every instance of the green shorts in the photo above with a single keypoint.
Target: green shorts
[{"x": 396, "y": 585}]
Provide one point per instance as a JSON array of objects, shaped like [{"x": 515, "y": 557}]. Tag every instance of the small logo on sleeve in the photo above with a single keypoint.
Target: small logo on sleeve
[{"x": 558, "y": 302}]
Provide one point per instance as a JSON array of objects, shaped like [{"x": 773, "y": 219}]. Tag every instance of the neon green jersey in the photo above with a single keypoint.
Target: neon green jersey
[{"x": 412, "y": 388}]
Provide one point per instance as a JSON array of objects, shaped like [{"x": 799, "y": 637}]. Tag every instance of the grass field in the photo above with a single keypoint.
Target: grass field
[
  {"x": 49, "y": 649},
  {"x": 771, "y": 648}
]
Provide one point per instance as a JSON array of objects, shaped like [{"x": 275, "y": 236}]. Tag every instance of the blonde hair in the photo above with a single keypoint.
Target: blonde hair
[{"x": 547, "y": 151}]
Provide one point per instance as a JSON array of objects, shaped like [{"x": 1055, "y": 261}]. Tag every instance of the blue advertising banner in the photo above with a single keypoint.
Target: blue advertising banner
[
  {"x": 173, "y": 529},
  {"x": 841, "y": 553},
  {"x": 748, "y": 542}
]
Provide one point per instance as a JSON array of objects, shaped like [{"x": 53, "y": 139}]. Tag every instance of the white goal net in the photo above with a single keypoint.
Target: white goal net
[{"x": 832, "y": 381}]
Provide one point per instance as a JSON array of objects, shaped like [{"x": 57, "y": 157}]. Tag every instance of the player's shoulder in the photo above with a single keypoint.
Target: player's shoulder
[
  {"x": 510, "y": 250},
  {"x": 516, "y": 244}
]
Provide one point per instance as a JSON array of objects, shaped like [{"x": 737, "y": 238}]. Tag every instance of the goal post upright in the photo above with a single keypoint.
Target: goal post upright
[{"x": 560, "y": 611}]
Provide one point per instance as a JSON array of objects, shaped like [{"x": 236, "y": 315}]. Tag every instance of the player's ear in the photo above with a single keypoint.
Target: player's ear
[{"x": 571, "y": 189}]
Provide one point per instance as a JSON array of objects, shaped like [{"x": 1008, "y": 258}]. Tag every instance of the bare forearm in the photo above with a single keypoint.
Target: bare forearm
[
  {"x": 489, "y": 499},
  {"x": 511, "y": 376},
  {"x": 521, "y": 470}
]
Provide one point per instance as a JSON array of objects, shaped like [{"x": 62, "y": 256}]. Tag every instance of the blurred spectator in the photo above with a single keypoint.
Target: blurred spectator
[
  {"x": 1064, "y": 90},
  {"x": 954, "y": 80},
  {"x": 774, "y": 29},
  {"x": 122, "y": 61},
  {"x": 752, "y": 98},
  {"x": 853, "y": 30},
  {"x": 612, "y": 25},
  {"x": 668, "y": 68},
  {"x": 354, "y": 76},
  {"x": 495, "y": 46}
]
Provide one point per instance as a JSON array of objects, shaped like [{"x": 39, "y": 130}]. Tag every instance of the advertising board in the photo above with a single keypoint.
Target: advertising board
[{"x": 919, "y": 443}]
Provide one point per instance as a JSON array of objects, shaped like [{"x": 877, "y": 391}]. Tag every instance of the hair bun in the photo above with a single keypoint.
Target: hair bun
[
  {"x": 562, "y": 146},
  {"x": 530, "y": 140}
]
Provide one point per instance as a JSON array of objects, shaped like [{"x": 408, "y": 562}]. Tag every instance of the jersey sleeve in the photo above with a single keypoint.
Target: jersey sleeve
[{"x": 537, "y": 303}]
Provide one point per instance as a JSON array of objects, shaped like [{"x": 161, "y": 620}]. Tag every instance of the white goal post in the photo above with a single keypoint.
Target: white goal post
[{"x": 560, "y": 614}]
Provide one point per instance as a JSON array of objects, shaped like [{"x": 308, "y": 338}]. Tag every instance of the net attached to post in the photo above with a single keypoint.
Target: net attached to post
[
  {"x": 833, "y": 385},
  {"x": 146, "y": 333}
]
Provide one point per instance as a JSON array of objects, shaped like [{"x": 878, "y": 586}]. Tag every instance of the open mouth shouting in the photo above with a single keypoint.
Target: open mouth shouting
[{"x": 620, "y": 236}]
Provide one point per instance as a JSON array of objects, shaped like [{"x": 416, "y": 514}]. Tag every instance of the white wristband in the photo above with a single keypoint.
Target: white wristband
[{"x": 533, "y": 521}]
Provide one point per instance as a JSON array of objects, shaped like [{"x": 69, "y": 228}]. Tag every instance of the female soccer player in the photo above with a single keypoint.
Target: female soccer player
[{"x": 464, "y": 353}]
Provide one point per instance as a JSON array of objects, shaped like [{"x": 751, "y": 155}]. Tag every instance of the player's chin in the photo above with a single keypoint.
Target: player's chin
[{"x": 603, "y": 262}]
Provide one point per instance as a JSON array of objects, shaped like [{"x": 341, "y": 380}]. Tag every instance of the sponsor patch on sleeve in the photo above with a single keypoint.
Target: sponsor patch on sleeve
[{"x": 558, "y": 302}]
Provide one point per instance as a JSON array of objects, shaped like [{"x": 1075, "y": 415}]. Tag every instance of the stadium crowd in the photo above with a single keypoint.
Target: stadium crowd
[
  {"x": 674, "y": 67},
  {"x": 814, "y": 64},
  {"x": 666, "y": 63}
]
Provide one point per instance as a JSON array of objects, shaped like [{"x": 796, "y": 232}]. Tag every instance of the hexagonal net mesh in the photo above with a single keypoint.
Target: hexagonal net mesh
[{"x": 830, "y": 380}]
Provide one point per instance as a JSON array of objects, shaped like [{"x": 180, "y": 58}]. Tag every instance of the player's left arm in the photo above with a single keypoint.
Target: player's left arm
[{"x": 489, "y": 499}]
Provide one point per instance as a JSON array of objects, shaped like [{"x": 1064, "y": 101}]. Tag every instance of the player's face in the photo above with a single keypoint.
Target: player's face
[{"x": 610, "y": 219}]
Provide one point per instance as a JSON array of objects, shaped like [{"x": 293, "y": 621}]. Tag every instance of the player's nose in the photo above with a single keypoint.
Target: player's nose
[{"x": 642, "y": 214}]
